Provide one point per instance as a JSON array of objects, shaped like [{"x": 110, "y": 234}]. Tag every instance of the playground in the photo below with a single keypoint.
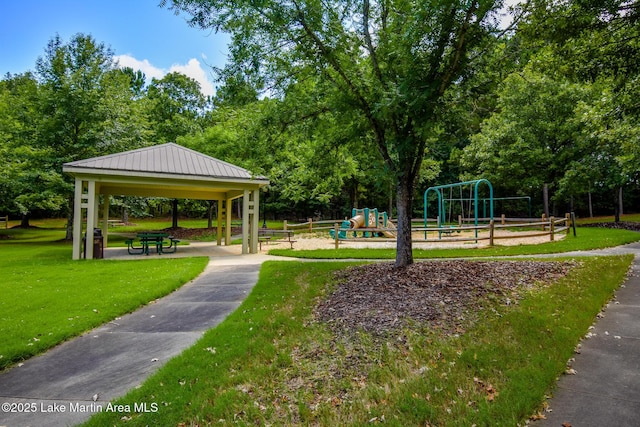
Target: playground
[{"x": 460, "y": 221}]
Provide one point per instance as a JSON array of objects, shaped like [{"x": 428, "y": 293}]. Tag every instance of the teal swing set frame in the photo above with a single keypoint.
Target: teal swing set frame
[{"x": 442, "y": 205}]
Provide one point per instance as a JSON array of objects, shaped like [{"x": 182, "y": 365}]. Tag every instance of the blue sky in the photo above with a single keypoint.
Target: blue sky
[{"x": 141, "y": 34}]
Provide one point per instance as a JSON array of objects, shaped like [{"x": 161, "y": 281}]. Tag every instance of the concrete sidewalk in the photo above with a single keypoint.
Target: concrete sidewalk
[
  {"x": 67, "y": 384},
  {"x": 605, "y": 389}
]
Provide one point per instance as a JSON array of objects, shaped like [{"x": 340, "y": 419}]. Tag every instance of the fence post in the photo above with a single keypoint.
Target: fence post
[
  {"x": 567, "y": 217},
  {"x": 491, "y": 228},
  {"x": 544, "y": 218},
  {"x": 284, "y": 225},
  {"x": 335, "y": 233},
  {"x": 459, "y": 220},
  {"x": 310, "y": 220},
  {"x": 502, "y": 220},
  {"x": 551, "y": 227}
]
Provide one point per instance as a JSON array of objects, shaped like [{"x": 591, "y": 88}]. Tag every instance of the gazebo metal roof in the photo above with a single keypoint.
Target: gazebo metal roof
[
  {"x": 167, "y": 170},
  {"x": 167, "y": 158}
]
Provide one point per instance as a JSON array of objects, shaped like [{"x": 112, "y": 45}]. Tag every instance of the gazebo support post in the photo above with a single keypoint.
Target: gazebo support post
[
  {"x": 221, "y": 215},
  {"x": 105, "y": 219},
  {"x": 255, "y": 220},
  {"x": 250, "y": 204},
  {"x": 227, "y": 219},
  {"x": 91, "y": 218},
  {"x": 82, "y": 201},
  {"x": 77, "y": 219},
  {"x": 245, "y": 221}
]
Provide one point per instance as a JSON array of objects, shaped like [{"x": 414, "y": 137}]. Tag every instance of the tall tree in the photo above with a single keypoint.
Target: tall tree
[
  {"x": 86, "y": 108},
  {"x": 70, "y": 76},
  {"x": 391, "y": 61},
  {"x": 532, "y": 138},
  {"x": 596, "y": 41},
  {"x": 24, "y": 185},
  {"x": 178, "y": 104}
]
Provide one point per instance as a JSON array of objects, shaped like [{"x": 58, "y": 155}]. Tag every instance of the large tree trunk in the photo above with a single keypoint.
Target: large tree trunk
[
  {"x": 616, "y": 207},
  {"x": 125, "y": 215},
  {"x": 390, "y": 200},
  {"x": 620, "y": 201},
  {"x": 404, "y": 254},
  {"x": 353, "y": 193},
  {"x": 174, "y": 214},
  {"x": 545, "y": 199},
  {"x": 69, "y": 233},
  {"x": 210, "y": 215},
  {"x": 24, "y": 221}
]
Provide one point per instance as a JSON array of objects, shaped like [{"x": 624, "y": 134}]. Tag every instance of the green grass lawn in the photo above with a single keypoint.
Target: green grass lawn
[
  {"x": 587, "y": 238},
  {"x": 272, "y": 363},
  {"x": 47, "y": 298}
]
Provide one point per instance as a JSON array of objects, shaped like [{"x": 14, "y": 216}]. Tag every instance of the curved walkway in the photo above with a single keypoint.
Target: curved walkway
[
  {"x": 68, "y": 383},
  {"x": 65, "y": 385}
]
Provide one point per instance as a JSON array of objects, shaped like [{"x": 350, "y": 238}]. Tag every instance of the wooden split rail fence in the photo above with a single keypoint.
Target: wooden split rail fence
[{"x": 536, "y": 227}]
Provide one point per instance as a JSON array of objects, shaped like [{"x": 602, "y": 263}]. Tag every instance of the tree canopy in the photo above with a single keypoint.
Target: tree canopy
[
  {"x": 386, "y": 63},
  {"x": 349, "y": 104}
]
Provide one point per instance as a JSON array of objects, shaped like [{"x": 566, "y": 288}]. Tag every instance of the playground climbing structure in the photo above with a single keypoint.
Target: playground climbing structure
[{"x": 369, "y": 222}]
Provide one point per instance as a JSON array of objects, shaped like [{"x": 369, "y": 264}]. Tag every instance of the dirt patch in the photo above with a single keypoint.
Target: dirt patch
[{"x": 445, "y": 295}]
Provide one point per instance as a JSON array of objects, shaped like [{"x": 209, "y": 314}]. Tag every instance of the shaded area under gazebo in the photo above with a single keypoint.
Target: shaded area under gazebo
[{"x": 167, "y": 170}]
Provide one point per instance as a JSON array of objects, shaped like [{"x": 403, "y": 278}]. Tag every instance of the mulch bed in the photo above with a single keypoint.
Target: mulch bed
[
  {"x": 623, "y": 225},
  {"x": 444, "y": 295}
]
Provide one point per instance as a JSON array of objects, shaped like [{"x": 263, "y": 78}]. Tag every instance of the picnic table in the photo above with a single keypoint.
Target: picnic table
[
  {"x": 265, "y": 234},
  {"x": 149, "y": 239}
]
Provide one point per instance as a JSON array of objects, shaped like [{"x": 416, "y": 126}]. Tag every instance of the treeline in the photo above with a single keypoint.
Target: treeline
[
  {"x": 547, "y": 106},
  {"x": 79, "y": 104}
]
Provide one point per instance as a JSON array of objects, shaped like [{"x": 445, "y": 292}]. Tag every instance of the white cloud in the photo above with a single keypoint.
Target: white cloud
[
  {"x": 145, "y": 66},
  {"x": 192, "y": 69}
]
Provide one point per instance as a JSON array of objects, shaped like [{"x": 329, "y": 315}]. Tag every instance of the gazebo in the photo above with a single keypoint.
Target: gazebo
[{"x": 167, "y": 170}]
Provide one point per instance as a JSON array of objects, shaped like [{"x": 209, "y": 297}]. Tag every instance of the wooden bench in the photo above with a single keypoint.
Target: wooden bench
[
  {"x": 264, "y": 239},
  {"x": 265, "y": 235}
]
